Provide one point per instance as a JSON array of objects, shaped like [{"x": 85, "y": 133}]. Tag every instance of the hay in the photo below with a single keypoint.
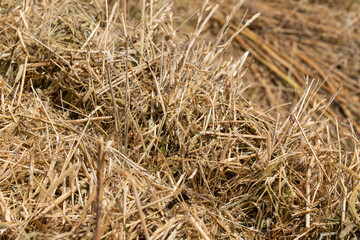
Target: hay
[
  {"x": 292, "y": 40},
  {"x": 113, "y": 125}
]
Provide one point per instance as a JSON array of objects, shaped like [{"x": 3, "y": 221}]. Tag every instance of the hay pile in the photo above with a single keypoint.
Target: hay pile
[
  {"x": 113, "y": 125},
  {"x": 293, "y": 40}
]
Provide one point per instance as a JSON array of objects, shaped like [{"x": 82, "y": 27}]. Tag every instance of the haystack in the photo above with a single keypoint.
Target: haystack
[{"x": 117, "y": 125}]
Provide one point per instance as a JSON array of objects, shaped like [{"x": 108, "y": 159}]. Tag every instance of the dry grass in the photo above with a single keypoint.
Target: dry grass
[
  {"x": 294, "y": 39},
  {"x": 114, "y": 125}
]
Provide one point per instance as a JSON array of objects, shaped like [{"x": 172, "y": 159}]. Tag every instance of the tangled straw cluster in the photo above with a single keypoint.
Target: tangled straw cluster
[{"x": 114, "y": 124}]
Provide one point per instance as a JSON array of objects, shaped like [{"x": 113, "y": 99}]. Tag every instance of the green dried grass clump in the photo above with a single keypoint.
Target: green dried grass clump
[{"x": 116, "y": 126}]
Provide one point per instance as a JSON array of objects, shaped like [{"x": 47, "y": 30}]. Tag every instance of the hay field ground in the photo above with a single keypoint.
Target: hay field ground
[{"x": 160, "y": 119}]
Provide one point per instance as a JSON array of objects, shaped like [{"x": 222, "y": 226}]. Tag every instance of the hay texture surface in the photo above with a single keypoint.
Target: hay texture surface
[
  {"x": 114, "y": 124},
  {"x": 292, "y": 41}
]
